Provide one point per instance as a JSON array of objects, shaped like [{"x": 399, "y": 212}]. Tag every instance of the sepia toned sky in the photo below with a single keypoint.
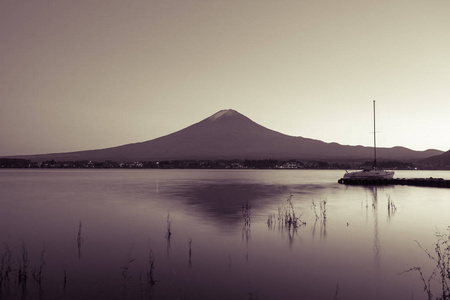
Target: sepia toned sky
[{"x": 90, "y": 74}]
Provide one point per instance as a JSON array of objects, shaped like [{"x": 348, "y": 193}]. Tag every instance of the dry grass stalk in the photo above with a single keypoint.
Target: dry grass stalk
[
  {"x": 169, "y": 223},
  {"x": 441, "y": 271}
]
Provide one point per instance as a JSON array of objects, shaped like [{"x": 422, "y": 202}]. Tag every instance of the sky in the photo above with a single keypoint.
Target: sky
[{"x": 92, "y": 74}]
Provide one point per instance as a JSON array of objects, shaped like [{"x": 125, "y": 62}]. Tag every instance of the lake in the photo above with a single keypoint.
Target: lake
[{"x": 215, "y": 234}]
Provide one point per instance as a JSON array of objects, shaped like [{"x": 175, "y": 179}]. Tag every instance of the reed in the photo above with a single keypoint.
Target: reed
[
  {"x": 336, "y": 292},
  {"x": 190, "y": 252},
  {"x": 271, "y": 221},
  {"x": 5, "y": 267},
  {"x": 151, "y": 269},
  {"x": 291, "y": 220},
  {"x": 286, "y": 217},
  {"x": 168, "y": 234},
  {"x": 80, "y": 240},
  {"x": 38, "y": 273},
  {"x": 169, "y": 224},
  {"x": 246, "y": 213},
  {"x": 323, "y": 209},
  {"x": 125, "y": 275},
  {"x": 125, "y": 269},
  {"x": 23, "y": 267},
  {"x": 65, "y": 280},
  {"x": 390, "y": 204},
  {"x": 441, "y": 270},
  {"x": 314, "y": 208}
]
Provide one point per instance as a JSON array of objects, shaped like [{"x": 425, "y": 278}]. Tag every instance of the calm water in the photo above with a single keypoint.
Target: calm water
[{"x": 357, "y": 252}]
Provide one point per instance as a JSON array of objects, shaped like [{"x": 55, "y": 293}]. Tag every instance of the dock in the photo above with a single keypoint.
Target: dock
[{"x": 426, "y": 182}]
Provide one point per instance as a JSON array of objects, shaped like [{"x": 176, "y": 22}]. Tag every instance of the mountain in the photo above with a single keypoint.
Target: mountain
[
  {"x": 231, "y": 135},
  {"x": 441, "y": 159}
]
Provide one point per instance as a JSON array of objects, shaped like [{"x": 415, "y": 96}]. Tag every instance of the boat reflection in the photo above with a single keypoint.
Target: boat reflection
[
  {"x": 376, "y": 240},
  {"x": 391, "y": 208}
]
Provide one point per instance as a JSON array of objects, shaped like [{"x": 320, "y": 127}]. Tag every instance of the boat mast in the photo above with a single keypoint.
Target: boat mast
[{"x": 374, "y": 139}]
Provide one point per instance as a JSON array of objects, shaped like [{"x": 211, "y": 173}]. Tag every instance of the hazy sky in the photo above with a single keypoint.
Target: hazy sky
[{"x": 77, "y": 75}]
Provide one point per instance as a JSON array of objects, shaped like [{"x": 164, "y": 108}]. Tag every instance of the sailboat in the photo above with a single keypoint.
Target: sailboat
[{"x": 373, "y": 172}]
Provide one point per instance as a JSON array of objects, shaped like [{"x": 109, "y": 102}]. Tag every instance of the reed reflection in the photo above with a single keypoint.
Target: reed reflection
[
  {"x": 246, "y": 231},
  {"x": 391, "y": 207},
  {"x": 168, "y": 234},
  {"x": 80, "y": 241},
  {"x": 320, "y": 218}
]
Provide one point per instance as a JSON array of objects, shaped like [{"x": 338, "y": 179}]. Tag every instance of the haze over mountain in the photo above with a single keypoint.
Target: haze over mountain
[{"x": 231, "y": 135}]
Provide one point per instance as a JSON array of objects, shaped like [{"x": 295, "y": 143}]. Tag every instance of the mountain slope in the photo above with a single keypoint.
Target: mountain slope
[
  {"x": 442, "y": 159},
  {"x": 231, "y": 135}
]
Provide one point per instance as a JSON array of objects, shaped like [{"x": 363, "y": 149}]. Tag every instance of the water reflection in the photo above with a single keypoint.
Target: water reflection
[
  {"x": 391, "y": 207},
  {"x": 223, "y": 202},
  {"x": 322, "y": 228},
  {"x": 246, "y": 231},
  {"x": 190, "y": 253},
  {"x": 305, "y": 255},
  {"x": 376, "y": 240},
  {"x": 80, "y": 241},
  {"x": 168, "y": 234},
  {"x": 372, "y": 192}
]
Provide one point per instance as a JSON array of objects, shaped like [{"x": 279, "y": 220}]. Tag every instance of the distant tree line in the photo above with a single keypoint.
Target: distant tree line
[
  {"x": 14, "y": 163},
  {"x": 214, "y": 164}
]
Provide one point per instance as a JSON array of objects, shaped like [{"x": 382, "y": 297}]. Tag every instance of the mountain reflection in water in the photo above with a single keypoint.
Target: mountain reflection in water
[{"x": 223, "y": 202}]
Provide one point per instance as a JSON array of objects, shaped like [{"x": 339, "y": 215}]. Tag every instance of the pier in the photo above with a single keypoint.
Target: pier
[{"x": 426, "y": 182}]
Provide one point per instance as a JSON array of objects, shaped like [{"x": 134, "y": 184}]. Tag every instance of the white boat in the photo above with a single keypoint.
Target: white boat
[
  {"x": 373, "y": 172},
  {"x": 369, "y": 174}
]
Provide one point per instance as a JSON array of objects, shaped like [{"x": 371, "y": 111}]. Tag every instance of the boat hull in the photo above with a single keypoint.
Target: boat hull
[{"x": 371, "y": 174}]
